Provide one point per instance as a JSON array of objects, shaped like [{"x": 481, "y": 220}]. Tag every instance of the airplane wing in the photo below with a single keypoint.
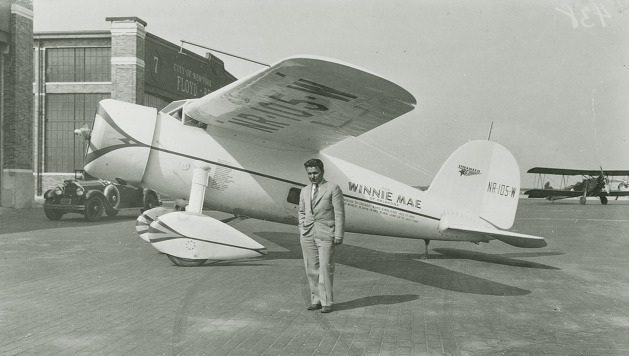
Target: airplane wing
[
  {"x": 544, "y": 193},
  {"x": 575, "y": 172},
  {"x": 308, "y": 102},
  {"x": 618, "y": 193}
]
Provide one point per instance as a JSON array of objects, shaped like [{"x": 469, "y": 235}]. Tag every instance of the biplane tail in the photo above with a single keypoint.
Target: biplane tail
[{"x": 483, "y": 178}]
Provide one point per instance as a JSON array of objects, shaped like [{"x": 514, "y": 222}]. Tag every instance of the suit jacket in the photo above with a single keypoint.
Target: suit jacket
[{"x": 326, "y": 217}]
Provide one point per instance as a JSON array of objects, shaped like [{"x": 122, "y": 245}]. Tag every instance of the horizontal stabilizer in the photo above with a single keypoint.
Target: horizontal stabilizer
[{"x": 508, "y": 237}]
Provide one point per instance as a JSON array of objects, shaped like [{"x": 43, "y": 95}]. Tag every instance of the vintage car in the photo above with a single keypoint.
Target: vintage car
[{"x": 91, "y": 197}]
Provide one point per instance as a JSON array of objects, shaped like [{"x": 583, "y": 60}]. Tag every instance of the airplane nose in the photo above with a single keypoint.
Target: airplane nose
[{"x": 120, "y": 141}]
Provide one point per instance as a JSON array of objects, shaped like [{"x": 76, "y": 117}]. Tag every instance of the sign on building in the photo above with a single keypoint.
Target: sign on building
[{"x": 179, "y": 75}]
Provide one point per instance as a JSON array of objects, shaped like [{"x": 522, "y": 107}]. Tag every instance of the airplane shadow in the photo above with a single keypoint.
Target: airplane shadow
[
  {"x": 375, "y": 300},
  {"x": 497, "y": 259},
  {"x": 404, "y": 266}
]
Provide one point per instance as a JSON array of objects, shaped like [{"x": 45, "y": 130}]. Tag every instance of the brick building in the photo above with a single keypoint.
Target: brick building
[
  {"x": 75, "y": 70},
  {"x": 16, "y": 103}
]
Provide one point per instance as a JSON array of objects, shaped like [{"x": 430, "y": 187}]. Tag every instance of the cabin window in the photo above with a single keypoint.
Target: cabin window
[{"x": 293, "y": 196}]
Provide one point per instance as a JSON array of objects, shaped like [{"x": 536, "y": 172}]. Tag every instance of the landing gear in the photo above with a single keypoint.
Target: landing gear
[
  {"x": 185, "y": 262},
  {"x": 425, "y": 256},
  {"x": 582, "y": 200},
  {"x": 603, "y": 200}
]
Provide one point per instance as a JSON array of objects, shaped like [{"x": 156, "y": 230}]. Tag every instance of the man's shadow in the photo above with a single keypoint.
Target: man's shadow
[{"x": 375, "y": 300}]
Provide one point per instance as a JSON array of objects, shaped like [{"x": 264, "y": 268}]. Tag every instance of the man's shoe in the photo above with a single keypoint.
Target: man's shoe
[
  {"x": 313, "y": 306},
  {"x": 327, "y": 309}
]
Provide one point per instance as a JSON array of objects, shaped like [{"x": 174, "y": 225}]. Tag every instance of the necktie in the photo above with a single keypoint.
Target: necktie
[{"x": 315, "y": 190}]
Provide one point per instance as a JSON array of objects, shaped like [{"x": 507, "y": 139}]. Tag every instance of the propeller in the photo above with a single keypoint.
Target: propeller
[
  {"x": 607, "y": 189},
  {"x": 84, "y": 132}
]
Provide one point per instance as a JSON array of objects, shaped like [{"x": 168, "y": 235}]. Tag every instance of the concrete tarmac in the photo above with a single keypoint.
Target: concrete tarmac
[{"x": 78, "y": 288}]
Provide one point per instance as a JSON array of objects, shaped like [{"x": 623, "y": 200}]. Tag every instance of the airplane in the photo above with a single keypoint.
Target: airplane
[
  {"x": 241, "y": 149},
  {"x": 593, "y": 184}
]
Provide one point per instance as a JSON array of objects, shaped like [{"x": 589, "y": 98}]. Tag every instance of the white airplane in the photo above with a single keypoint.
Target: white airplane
[{"x": 241, "y": 150}]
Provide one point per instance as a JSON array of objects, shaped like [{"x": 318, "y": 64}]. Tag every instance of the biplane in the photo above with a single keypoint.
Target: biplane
[{"x": 594, "y": 183}]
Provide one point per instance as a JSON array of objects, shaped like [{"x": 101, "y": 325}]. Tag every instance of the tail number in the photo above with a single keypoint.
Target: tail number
[{"x": 501, "y": 189}]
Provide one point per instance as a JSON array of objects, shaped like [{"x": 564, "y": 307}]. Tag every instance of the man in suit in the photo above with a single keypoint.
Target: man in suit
[{"x": 321, "y": 226}]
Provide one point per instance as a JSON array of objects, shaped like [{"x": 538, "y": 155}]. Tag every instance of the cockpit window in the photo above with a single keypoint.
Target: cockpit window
[{"x": 175, "y": 109}]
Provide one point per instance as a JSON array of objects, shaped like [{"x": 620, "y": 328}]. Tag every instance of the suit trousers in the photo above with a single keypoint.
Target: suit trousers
[{"x": 319, "y": 262}]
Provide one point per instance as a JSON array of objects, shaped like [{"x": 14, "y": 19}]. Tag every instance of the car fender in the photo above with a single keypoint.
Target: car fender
[
  {"x": 48, "y": 194},
  {"x": 92, "y": 193}
]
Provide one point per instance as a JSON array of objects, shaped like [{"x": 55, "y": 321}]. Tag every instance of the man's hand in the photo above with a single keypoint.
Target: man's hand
[{"x": 338, "y": 241}]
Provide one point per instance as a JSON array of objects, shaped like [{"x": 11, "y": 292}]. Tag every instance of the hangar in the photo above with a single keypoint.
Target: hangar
[{"x": 71, "y": 72}]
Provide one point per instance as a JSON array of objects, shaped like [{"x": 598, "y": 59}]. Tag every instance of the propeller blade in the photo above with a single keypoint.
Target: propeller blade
[{"x": 607, "y": 189}]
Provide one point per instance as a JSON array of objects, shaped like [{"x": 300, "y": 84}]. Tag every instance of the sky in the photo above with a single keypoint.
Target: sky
[{"x": 551, "y": 75}]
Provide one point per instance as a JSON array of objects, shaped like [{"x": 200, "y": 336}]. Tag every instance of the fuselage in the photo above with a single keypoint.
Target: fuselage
[{"x": 262, "y": 179}]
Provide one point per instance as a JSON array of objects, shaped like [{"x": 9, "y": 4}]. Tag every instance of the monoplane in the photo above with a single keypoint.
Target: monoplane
[
  {"x": 593, "y": 183},
  {"x": 241, "y": 150}
]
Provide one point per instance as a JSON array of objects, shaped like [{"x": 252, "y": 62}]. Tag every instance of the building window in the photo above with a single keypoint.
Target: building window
[
  {"x": 65, "y": 113},
  {"x": 90, "y": 64}
]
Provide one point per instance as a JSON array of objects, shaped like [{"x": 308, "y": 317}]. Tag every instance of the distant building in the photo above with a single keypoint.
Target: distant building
[
  {"x": 16, "y": 103},
  {"x": 75, "y": 70}
]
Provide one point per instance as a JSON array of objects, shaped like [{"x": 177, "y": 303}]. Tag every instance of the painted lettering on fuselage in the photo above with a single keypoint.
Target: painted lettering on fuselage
[
  {"x": 501, "y": 189},
  {"x": 384, "y": 195},
  {"x": 277, "y": 111}
]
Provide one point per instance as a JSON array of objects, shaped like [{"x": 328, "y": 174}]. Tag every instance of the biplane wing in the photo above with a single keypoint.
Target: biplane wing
[
  {"x": 557, "y": 193},
  {"x": 548, "y": 193},
  {"x": 576, "y": 172}
]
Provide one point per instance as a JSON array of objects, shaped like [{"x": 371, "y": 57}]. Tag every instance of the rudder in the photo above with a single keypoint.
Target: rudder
[{"x": 483, "y": 177}]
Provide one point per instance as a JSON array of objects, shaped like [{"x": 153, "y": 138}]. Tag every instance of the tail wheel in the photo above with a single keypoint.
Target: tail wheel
[
  {"x": 185, "y": 262},
  {"x": 94, "y": 208}
]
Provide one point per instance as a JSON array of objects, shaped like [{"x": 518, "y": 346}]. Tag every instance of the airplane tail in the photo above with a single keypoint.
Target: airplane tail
[{"x": 484, "y": 178}]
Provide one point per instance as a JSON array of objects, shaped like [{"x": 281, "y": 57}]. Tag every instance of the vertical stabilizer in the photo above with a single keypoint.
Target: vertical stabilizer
[{"x": 481, "y": 177}]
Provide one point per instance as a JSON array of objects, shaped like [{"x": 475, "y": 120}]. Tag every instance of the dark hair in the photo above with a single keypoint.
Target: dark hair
[{"x": 314, "y": 163}]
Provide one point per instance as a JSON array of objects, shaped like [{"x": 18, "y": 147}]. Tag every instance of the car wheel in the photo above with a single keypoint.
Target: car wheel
[
  {"x": 185, "y": 262},
  {"x": 150, "y": 201},
  {"x": 111, "y": 212},
  {"x": 94, "y": 208},
  {"x": 52, "y": 214}
]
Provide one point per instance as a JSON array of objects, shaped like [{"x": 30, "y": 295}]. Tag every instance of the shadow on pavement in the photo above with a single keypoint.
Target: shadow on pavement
[
  {"x": 398, "y": 265},
  {"x": 375, "y": 300},
  {"x": 502, "y": 259}
]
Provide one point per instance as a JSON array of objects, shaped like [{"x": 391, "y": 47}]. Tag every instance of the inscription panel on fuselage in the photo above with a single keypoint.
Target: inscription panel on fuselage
[{"x": 383, "y": 201}]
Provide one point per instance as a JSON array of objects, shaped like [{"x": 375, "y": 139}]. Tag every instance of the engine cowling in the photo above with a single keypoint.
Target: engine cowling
[{"x": 120, "y": 141}]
